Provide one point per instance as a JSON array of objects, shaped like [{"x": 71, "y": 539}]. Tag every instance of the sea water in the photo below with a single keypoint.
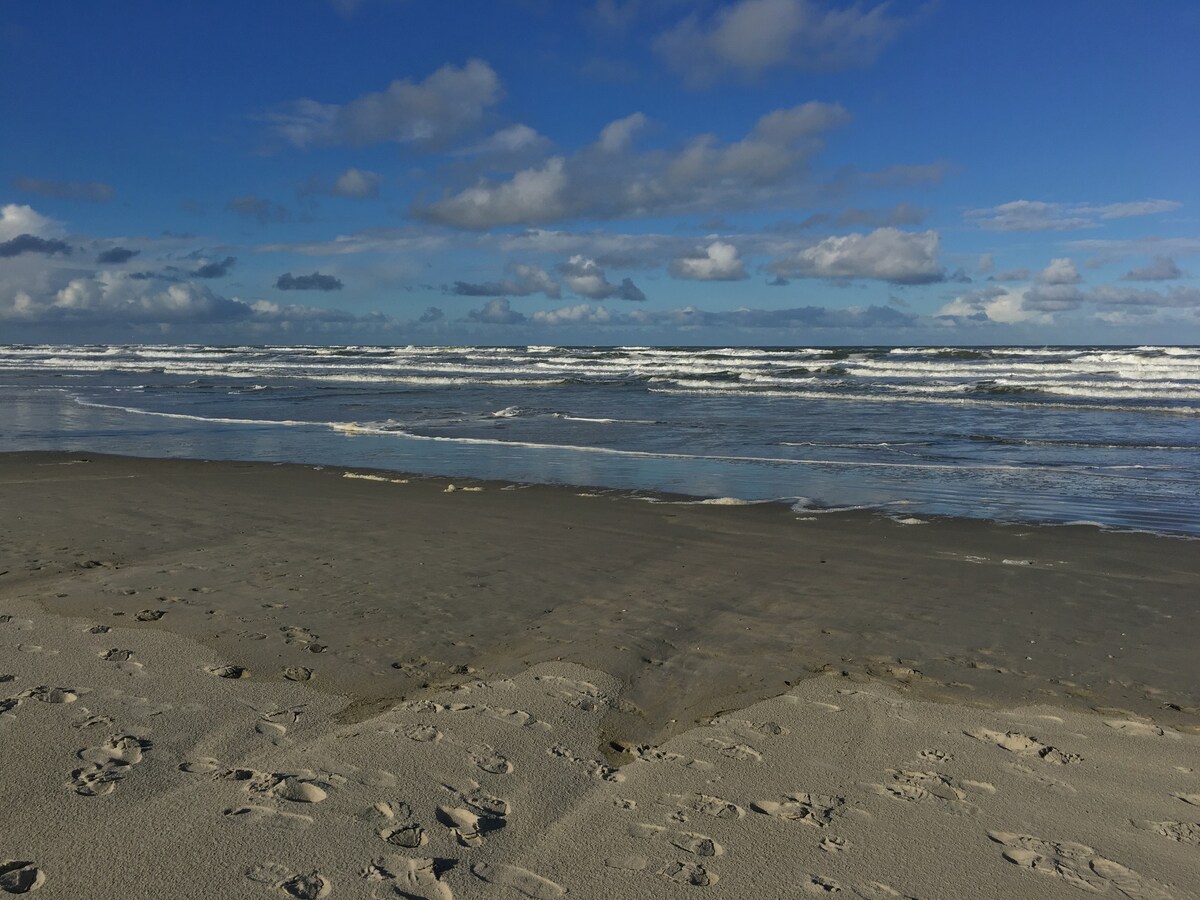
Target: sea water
[{"x": 1109, "y": 435}]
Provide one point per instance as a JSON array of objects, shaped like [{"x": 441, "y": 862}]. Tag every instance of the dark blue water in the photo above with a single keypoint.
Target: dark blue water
[{"x": 1107, "y": 435}]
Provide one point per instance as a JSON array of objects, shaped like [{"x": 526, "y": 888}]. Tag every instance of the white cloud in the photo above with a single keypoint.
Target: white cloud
[
  {"x": 1002, "y": 305},
  {"x": 514, "y": 139},
  {"x": 1060, "y": 271},
  {"x": 580, "y": 314},
  {"x": 718, "y": 262},
  {"x": 608, "y": 179},
  {"x": 16, "y": 219},
  {"x": 584, "y": 277},
  {"x": 617, "y": 136},
  {"x": 1038, "y": 215},
  {"x": 356, "y": 183},
  {"x": 431, "y": 112},
  {"x": 750, "y": 36},
  {"x": 532, "y": 195},
  {"x": 885, "y": 254}
]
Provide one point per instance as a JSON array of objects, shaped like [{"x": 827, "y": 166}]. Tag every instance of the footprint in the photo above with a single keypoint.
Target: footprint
[
  {"x": 150, "y": 615},
  {"x": 1077, "y": 865},
  {"x": 463, "y": 824},
  {"x": 834, "y": 845},
  {"x": 108, "y": 764},
  {"x": 706, "y": 805},
  {"x": 409, "y": 836},
  {"x": 1184, "y": 832},
  {"x": 521, "y": 880},
  {"x": 228, "y": 671},
  {"x": 418, "y": 879},
  {"x": 732, "y": 749},
  {"x": 595, "y": 767},
  {"x": 270, "y": 729},
  {"x": 201, "y": 765},
  {"x": 817, "y": 810},
  {"x": 697, "y": 844},
  {"x": 425, "y": 734},
  {"x": 297, "y": 673},
  {"x": 116, "y": 655},
  {"x": 297, "y": 791},
  {"x": 50, "y": 694},
  {"x": 490, "y": 760},
  {"x": 877, "y": 890},
  {"x": 818, "y": 884},
  {"x": 657, "y": 754},
  {"x": 936, "y": 755},
  {"x": 19, "y": 876},
  {"x": 688, "y": 873},
  {"x": 915, "y": 787},
  {"x": 263, "y": 815},
  {"x": 306, "y": 886},
  {"x": 1023, "y": 745}
]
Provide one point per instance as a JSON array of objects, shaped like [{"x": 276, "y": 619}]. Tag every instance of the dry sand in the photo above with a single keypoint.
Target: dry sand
[{"x": 222, "y": 680}]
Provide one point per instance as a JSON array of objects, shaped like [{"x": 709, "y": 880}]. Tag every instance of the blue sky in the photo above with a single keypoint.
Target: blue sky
[{"x": 612, "y": 172}]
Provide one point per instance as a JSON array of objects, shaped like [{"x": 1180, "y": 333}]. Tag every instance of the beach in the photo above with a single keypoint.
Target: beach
[{"x": 252, "y": 679}]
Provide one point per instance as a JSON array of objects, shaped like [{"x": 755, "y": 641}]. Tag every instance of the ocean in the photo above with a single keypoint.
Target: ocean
[{"x": 1106, "y": 435}]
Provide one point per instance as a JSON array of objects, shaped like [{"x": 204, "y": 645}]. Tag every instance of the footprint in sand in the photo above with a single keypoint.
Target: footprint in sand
[
  {"x": 107, "y": 764},
  {"x": 50, "y": 694},
  {"x": 19, "y": 876},
  {"x": 1077, "y": 865},
  {"x": 201, "y": 765},
  {"x": 916, "y": 787},
  {"x": 818, "y": 810},
  {"x": 521, "y": 880},
  {"x": 228, "y": 671},
  {"x": 150, "y": 615},
  {"x": 692, "y": 874},
  {"x": 419, "y": 879},
  {"x": 1023, "y": 745},
  {"x": 687, "y": 841},
  {"x": 595, "y": 767},
  {"x": 99, "y": 629},
  {"x": 936, "y": 755},
  {"x": 705, "y": 805},
  {"x": 297, "y": 673},
  {"x": 657, "y": 754},
  {"x": 424, "y": 734},
  {"x": 834, "y": 844},
  {"x": 410, "y": 836},
  {"x": 877, "y": 890},
  {"x": 302, "y": 886},
  {"x": 116, "y": 655},
  {"x": 467, "y": 827},
  {"x": 629, "y": 863},
  {"x": 1183, "y": 832},
  {"x": 732, "y": 749},
  {"x": 490, "y": 760}
]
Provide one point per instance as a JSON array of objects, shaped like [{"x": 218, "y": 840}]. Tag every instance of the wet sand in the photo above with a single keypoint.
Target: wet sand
[{"x": 252, "y": 652}]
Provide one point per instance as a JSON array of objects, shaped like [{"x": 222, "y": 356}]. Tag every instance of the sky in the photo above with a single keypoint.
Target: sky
[{"x": 749, "y": 172}]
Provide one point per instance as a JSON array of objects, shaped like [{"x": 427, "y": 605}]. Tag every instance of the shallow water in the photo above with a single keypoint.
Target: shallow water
[{"x": 1108, "y": 435}]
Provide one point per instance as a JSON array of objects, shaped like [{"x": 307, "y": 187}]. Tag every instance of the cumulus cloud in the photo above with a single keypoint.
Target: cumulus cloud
[
  {"x": 524, "y": 281},
  {"x": 886, "y": 254},
  {"x": 717, "y": 262},
  {"x": 92, "y": 191},
  {"x": 1037, "y": 215},
  {"x": 116, "y": 255},
  {"x": 1011, "y": 275},
  {"x": 496, "y": 312},
  {"x": 514, "y": 140},
  {"x": 218, "y": 269},
  {"x": 113, "y": 298},
  {"x": 585, "y": 277},
  {"x": 580, "y": 314},
  {"x": 608, "y": 179},
  {"x": 428, "y": 113},
  {"x": 747, "y": 37},
  {"x": 356, "y": 183},
  {"x": 314, "y": 282},
  {"x": 16, "y": 219},
  {"x": 1144, "y": 300},
  {"x": 1060, "y": 271},
  {"x": 258, "y": 209},
  {"x": 1162, "y": 268},
  {"x": 995, "y": 304},
  {"x": 1052, "y": 298},
  {"x": 31, "y": 243}
]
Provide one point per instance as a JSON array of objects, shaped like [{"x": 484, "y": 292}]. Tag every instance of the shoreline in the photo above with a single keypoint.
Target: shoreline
[
  {"x": 255, "y": 679},
  {"x": 660, "y": 629}
]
